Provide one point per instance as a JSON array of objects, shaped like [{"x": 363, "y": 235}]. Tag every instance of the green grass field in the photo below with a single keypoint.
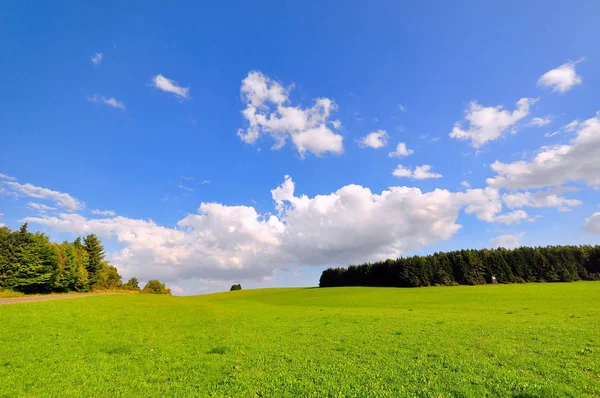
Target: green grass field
[{"x": 501, "y": 340}]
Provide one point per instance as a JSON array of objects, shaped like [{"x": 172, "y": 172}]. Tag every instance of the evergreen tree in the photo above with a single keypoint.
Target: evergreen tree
[
  {"x": 35, "y": 266},
  {"x": 95, "y": 252},
  {"x": 472, "y": 267}
]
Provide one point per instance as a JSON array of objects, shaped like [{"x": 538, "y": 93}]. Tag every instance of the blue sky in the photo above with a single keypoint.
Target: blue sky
[{"x": 153, "y": 128}]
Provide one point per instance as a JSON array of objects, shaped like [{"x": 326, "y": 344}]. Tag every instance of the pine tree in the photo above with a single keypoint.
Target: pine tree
[
  {"x": 35, "y": 265},
  {"x": 95, "y": 252}
]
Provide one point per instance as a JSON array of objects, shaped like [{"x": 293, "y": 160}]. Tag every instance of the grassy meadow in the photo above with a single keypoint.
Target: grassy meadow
[{"x": 521, "y": 340}]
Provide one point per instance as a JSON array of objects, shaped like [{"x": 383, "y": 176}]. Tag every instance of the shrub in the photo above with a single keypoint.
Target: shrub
[
  {"x": 155, "y": 286},
  {"x": 235, "y": 287}
]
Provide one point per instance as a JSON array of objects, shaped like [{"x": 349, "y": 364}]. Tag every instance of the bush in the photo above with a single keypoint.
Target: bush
[
  {"x": 235, "y": 287},
  {"x": 155, "y": 286}
]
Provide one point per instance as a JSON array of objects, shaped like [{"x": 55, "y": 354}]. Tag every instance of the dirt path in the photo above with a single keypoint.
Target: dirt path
[{"x": 27, "y": 299}]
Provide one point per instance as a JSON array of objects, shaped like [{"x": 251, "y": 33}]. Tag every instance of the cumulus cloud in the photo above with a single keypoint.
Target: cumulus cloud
[
  {"x": 112, "y": 101},
  {"x": 540, "y": 121},
  {"x": 170, "y": 86},
  {"x": 592, "y": 223},
  {"x": 376, "y": 139},
  {"x": 561, "y": 79},
  {"x": 490, "y": 123},
  {"x": 465, "y": 184},
  {"x": 103, "y": 212},
  {"x": 556, "y": 165},
  {"x": 349, "y": 225},
  {"x": 6, "y": 177},
  {"x": 63, "y": 200},
  {"x": 401, "y": 150},
  {"x": 40, "y": 207},
  {"x": 514, "y": 217},
  {"x": 546, "y": 198},
  {"x": 268, "y": 111},
  {"x": 224, "y": 243},
  {"x": 354, "y": 224},
  {"x": 508, "y": 241},
  {"x": 97, "y": 58},
  {"x": 419, "y": 173},
  {"x": 486, "y": 204}
]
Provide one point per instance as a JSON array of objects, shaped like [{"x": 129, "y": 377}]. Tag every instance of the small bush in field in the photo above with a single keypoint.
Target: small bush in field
[{"x": 155, "y": 286}]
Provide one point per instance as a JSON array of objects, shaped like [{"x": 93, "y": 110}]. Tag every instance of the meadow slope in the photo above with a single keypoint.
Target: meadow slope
[{"x": 501, "y": 340}]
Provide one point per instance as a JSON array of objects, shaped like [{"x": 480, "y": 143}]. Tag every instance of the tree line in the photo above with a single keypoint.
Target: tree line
[
  {"x": 474, "y": 267},
  {"x": 30, "y": 263}
]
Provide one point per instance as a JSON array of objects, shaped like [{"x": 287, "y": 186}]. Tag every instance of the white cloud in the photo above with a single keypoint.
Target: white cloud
[
  {"x": 561, "y": 79},
  {"x": 376, "y": 139},
  {"x": 512, "y": 217},
  {"x": 401, "y": 150},
  {"x": 205, "y": 182},
  {"x": 224, "y": 243},
  {"x": 548, "y": 198},
  {"x": 402, "y": 108},
  {"x": 63, "y": 200},
  {"x": 540, "y": 121},
  {"x": 112, "y": 101},
  {"x": 103, "y": 212},
  {"x": 490, "y": 123},
  {"x": 5, "y": 177},
  {"x": 465, "y": 184},
  {"x": 556, "y": 165},
  {"x": 569, "y": 128},
  {"x": 40, "y": 207},
  {"x": 353, "y": 224},
  {"x": 420, "y": 172},
  {"x": 97, "y": 58},
  {"x": 267, "y": 112},
  {"x": 318, "y": 140},
  {"x": 592, "y": 223},
  {"x": 508, "y": 241},
  {"x": 170, "y": 86},
  {"x": 184, "y": 187},
  {"x": 486, "y": 205},
  {"x": 221, "y": 242},
  {"x": 258, "y": 90},
  {"x": 572, "y": 127}
]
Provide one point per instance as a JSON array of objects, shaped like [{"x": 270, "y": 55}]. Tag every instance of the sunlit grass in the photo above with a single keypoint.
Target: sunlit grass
[{"x": 501, "y": 340}]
